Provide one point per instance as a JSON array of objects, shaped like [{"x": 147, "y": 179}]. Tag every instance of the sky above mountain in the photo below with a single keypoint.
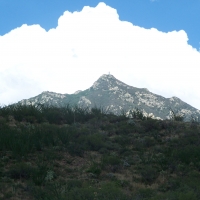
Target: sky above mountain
[{"x": 65, "y": 46}]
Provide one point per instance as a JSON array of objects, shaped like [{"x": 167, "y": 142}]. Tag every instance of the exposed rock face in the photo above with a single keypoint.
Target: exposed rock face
[
  {"x": 115, "y": 96},
  {"x": 77, "y": 91}
]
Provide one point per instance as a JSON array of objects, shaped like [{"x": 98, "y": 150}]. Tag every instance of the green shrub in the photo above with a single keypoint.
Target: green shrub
[
  {"x": 187, "y": 196},
  {"x": 149, "y": 174},
  {"x": 75, "y": 149},
  {"x": 124, "y": 129},
  {"x": 111, "y": 163},
  {"x": 95, "y": 169},
  {"x": 111, "y": 160},
  {"x": 40, "y": 172},
  {"x": 148, "y": 141},
  {"x": 73, "y": 183},
  {"x": 151, "y": 125},
  {"x": 188, "y": 154},
  {"x": 89, "y": 192},
  {"x": 172, "y": 184},
  {"x": 122, "y": 140},
  {"x": 20, "y": 171},
  {"x": 2, "y": 121},
  {"x": 109, "y": 145},
  {"x": 145, "y": 193},
  {"x": 20, "y": 144},
  {"x": 96, "y": 141}
]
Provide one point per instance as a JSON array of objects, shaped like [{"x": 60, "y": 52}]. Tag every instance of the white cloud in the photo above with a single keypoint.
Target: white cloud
[{"x": 92, "y": 42}]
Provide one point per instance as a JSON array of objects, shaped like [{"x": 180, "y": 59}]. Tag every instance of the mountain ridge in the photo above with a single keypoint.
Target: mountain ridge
[{"x": 115, "y": 96}]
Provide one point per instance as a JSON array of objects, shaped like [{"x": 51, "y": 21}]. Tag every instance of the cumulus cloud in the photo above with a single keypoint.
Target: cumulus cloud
[{"x": 90, "y": 43}]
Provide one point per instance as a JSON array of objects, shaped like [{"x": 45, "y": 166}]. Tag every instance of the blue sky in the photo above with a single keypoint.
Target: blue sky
[{"x": 65, "y": 46}]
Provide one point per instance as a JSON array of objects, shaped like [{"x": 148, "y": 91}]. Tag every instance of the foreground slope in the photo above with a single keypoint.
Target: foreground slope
[{"x": 97, "y": 156}]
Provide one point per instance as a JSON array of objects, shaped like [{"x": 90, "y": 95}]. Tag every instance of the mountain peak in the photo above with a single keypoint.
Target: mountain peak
[
  {"x": 107, "y": 81},
  {"x": 107, "y": 76}
]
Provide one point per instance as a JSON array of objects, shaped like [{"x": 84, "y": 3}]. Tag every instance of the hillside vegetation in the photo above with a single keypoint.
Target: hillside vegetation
[{"x": 69, "y": 153}]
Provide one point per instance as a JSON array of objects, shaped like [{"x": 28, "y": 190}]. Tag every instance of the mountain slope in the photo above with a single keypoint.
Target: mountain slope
[{"x": 115, "y": 96}]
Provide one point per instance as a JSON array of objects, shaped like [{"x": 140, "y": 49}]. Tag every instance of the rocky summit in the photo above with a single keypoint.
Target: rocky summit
[{"x": 114, "y": 96}]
